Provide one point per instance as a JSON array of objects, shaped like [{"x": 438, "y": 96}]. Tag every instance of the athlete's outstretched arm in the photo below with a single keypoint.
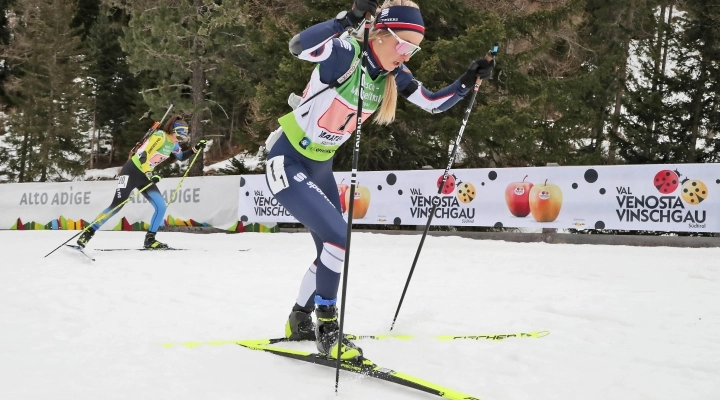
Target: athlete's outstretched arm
[{"x": 433, "y": 102}]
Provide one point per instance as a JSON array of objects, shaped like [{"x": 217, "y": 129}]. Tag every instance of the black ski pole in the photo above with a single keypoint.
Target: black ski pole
[
  {"x": 353, "y": 181},
  {"x": 436, "y": 200},
  {"x": 101, "y": 217}
]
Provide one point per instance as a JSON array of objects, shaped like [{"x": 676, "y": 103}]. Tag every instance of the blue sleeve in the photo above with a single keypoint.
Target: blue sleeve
[
  {"x": 181, "y": 155},
  {"x": 433, "y": 102},
  {"x": 320, "y": 33}
]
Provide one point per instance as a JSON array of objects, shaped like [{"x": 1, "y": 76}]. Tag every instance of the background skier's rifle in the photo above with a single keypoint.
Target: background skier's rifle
[{"x": 152, "y": 129}]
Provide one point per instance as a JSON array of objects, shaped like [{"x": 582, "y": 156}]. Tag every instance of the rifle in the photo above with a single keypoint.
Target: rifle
[{"x": 152, "y": 129}]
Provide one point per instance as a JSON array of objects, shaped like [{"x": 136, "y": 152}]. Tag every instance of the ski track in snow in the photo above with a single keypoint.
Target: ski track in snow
[{"x": 625, "y": 322}]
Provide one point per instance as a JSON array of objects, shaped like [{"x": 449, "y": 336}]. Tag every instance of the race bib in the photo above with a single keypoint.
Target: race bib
[
  {"x": 122, "y": 181},
  {"x": 275, "y": 173}
]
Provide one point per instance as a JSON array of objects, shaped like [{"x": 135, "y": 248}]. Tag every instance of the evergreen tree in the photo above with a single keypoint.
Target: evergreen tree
[
  {"x": 45, "y": 129},
  {"x": 86, "y": 12},
  {"x": 516, "y": 119},
  {"x": 695, "y": 84},
  {"x": 182, "y": 43},
  {"x": 646, "y": 124},
  {"x": 606, "y": 35},
  {"x": 115, "y": 88},
  {"x": 5, "y": 32}
]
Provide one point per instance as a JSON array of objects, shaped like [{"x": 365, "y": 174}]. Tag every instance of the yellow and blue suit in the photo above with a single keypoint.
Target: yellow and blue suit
[{"x": 134, "y": 175}]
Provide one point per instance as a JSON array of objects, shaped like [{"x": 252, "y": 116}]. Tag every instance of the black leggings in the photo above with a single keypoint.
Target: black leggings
[{"x": 131, "y": 178}]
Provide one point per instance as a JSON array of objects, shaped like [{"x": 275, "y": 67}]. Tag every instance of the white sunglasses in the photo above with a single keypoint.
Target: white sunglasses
[{"x": 404, "y": 47}]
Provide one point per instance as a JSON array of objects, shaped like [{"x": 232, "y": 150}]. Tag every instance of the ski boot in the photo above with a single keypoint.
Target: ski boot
[
  {"x": 327, "y": 333},
  {"x": 300, "y": 324},
  {"x": 85, "y": 237},
  {"x": 152, "y": 244}
]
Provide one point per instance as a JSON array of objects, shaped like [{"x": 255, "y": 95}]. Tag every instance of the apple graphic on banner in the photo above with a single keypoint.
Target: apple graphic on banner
[
  {"x": 545, "y": 202},
  {"x": 517, "y": 197},
  {"x": 361, "y": 203},
  {"x": 342, "y": 189}
]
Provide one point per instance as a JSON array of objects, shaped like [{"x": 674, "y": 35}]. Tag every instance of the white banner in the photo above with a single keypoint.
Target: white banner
[
  {"x": 200, "y": 201},
  {"x": 682, "y": 197}
]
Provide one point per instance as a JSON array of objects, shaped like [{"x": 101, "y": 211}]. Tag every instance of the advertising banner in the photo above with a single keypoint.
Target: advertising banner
[
  {"x": 200, "y": 201},
  {"x": 682, "y": 197}
]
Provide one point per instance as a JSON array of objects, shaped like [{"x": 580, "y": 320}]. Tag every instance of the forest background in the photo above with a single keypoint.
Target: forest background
[{"x": 577, "y": 82}]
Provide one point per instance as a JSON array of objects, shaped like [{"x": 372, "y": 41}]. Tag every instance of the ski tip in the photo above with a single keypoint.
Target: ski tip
[{"x": 81, "y": 250}]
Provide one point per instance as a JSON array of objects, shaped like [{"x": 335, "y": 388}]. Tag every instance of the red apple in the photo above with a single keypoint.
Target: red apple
[
  {"x": 517, "y": 197},
  {"x": 545, "y": 202},
  {"x": 342, "y": 189}
]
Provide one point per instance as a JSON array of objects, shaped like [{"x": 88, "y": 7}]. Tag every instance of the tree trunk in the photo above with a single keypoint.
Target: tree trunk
[
  {"x": 657, "y": 56},
  {"x": 198, "y": 94},
  {"x": 616, "y": 122},
  {"x": 658, "y": 49},
  {"x": 711, "y": 130},
  {"x": 24, "y": 149},
  {"x": 620, "y": 81},
  {"x": 666, "y": 46},
  {"x": 92, "y": 136},
  {"x": 111, "y": 156},
  {"x": 232, "y": 129},
  {"x": 698, "y": 100}
]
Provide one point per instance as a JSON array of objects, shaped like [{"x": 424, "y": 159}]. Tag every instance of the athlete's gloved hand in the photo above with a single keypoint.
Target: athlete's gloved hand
[
  {"x": 360, "y": 7},
  {"x": 200, "y": 145},
  {"x": 153, "y": 178},
  {"x": 480, "y": 68}
]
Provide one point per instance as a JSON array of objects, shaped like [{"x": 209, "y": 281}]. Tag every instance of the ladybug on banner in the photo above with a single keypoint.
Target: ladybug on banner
[
  {"x": 449, "y": 184},
  {"x": 694, "y": 191},
  {"x": 465, "y": 191},
  {"x": 666, "y": 181}
]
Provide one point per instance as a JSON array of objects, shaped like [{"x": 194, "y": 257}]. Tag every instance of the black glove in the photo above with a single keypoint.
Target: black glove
[
  {"x": 480, "y": 68},
  {"x": 200, "y": 145},
  {"x": 360, "y": 7},
  {"x": 153, "y": 178}
]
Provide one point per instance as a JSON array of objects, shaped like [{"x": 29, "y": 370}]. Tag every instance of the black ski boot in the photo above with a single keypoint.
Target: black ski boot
[
  {"x": 300, "y": 324},
  {"x": 152, "y": 244},
  {"x": 85, "y": 237},
  {"x": 327, "y": 332}
]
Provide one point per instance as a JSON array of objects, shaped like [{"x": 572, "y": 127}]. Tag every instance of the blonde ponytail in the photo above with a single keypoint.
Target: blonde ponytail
[{"x": 386, "y": 114}]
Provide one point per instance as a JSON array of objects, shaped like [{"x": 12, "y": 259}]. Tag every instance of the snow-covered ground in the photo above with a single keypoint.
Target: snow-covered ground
[{"x": 625, "y": 322}]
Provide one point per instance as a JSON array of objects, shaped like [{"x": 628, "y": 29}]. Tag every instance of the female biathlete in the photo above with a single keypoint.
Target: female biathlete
[
  {"x": 138, "y": 173},
  {"x": 299, "y": 167}
]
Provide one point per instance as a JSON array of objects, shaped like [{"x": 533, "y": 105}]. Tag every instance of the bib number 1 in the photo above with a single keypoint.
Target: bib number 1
[{"x": 275, "y": 174}]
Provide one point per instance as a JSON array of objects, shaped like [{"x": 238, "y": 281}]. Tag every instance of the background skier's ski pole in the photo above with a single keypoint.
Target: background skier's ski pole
[
  {"x": 172, "y": 197},
  {"x": 103, "y": 216},
  {"x": 436, "y": 201},
  {"x": 353, "y": 182}
]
